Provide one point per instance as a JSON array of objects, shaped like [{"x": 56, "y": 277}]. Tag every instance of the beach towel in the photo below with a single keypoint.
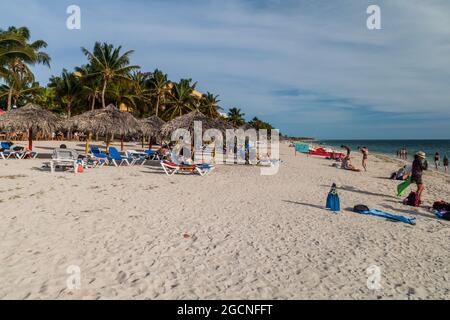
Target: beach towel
[
  {"x": 403, "y": 187},
  {"x": 302, "y": 148},
  {"x": 333, "y": 202},
  {"x": 381, "y": 214}
]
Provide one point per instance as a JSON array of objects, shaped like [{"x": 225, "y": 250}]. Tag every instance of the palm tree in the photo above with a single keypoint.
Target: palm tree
[
  {"x": 12, "y": 46},
  {"x": 121, "y": 92},
  {"x": 160, "y": 87},
  {"x": 91, "y": 86},
  {"x": 67, "y": 89},
  {"x": 236, "y": 117},
  {"x": 181, "y": 99},
  {"x": 141, "y": 91},
  {"x": 18, "y": 64},
  {"x": 20, "y": 87},
  {"x": 209, "y": 105},
  {"x": 108, "y": 63}
]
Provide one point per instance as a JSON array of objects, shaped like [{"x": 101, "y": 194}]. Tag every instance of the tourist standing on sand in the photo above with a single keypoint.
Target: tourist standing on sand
[
  {"x": 437, "y": 160},
  {"x": 446, "y": 163},
  {"x": 419, "y": 165},
  {"x": 365, "y": 154}
]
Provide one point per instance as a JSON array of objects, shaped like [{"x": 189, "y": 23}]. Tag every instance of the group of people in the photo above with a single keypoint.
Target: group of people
[
  {"x": 437, "y": 162},
  {"x": 402, "y": 154},
  {"x": 346, "y": 162}
]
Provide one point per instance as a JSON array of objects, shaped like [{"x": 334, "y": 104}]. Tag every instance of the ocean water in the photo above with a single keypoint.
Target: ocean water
[{"x": 390, "y": 147}]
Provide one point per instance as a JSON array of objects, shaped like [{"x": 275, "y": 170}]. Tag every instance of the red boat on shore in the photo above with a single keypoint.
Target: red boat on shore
[{"x": 321, "y": 152}]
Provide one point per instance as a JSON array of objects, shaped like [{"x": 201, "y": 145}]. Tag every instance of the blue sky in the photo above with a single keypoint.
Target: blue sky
[{"x": 310, "y": 67}]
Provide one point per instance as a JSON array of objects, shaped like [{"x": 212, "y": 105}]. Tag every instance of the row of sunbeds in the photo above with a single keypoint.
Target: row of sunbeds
[
  {"x": 96, "y": 158},
  {"x": 6, "y": 152}
]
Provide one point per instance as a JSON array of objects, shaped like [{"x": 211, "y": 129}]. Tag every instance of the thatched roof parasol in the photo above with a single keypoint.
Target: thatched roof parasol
[
  {"x": 31, "y": 116},
  {"x": 187, "y": 122},
  {"x": 151, "y": 126},
  {"x": 104, "y": 122}
]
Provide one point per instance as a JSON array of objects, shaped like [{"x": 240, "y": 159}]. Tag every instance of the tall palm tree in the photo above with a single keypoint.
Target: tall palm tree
[
  {"x": 159, "y": 86},
  {"x": 209, "y": 105},
  {"x": 91, "y": 86},
  {"x": 67, "y": 89},
  {"x": 108, "y": 63},
  {"x": 181, "y": 99},
  {"x": 18, "y": 64},
  {"x": 20, "y": 87},
  {"x": 236, "y": 117},
  {"x": 141, "y": 91},
  {"x": 12, "y": 46}
]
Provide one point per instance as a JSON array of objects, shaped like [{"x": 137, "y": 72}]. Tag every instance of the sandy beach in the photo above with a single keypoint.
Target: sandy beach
[{"x": 136, "y": 233}]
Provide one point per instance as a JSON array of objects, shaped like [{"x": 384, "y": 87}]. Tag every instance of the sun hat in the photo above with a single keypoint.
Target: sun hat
[{"x": 421, "y": 154}]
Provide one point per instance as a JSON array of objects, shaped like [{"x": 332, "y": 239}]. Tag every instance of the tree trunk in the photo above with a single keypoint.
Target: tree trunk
[
  {"x": 9, "y": 99},
  {"x": 157, "y": 105},
  {"x": 30, "y": 139},
  {"x": 103, "y": 94},
  {"x": 93, "y": 104}
]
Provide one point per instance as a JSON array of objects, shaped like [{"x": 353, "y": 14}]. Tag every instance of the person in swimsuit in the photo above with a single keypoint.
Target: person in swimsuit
[
  {"x": 419, "y": 165},
  {"x": 437, "y": 160},
  {"x": 446, "y": 163},
  {"x": 365, "y": 153}
]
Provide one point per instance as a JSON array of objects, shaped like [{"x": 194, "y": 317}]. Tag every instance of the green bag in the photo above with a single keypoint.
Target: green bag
[{"x": 403, "y": 187}]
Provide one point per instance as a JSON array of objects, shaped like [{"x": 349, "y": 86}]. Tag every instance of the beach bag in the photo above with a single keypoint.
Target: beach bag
[
  {"x": 441, "y": 206},
  {"x": 412, "y": 200},
  {"x": 360, "y": 208}
]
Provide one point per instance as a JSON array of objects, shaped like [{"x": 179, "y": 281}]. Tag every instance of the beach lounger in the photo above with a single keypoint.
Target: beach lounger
[
  {"x": 137, "y": 156},
  {"x": 118, "y": 160},
  {"x": 175, "y": 166},
  {"x": 152, "y": 155},
  {"x": 6, "y": 152},
  {"x": 64, "y": 158},
  {"x": 171, "y": 168}
]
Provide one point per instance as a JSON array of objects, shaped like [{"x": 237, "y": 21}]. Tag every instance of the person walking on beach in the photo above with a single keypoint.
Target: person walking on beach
[
  {"x": 446, "y": 163},
  {"x": 437, "y": 160},
  {"x": 348, "y": 150},
  {"x": 419, "y": 165},
  {"x": 365, "y": 154}
]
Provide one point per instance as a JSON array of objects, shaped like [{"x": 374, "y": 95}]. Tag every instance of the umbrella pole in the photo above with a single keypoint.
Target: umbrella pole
[
  {"x": 149, "y": 143},
  {"x": 143, "y": 141},
  {"x": 30, "y": 139},
  {"x": 88, "y": 138},
  {"x": 107, "y": 143},
  {"x": 121, "y": 143}
]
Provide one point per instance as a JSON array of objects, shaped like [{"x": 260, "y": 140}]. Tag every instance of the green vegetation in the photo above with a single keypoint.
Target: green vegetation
[{"x": 107, "y": 77}]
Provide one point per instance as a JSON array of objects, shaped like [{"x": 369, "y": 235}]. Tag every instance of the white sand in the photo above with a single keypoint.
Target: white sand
[{"x": 250, "y": 236}]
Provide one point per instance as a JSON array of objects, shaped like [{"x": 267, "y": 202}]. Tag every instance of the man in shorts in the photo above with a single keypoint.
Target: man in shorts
[{"x": 419, "y": 165}]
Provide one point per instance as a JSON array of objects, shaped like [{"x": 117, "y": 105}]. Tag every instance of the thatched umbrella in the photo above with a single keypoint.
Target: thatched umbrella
[
  {"x": 151, "y": 127},
  {"x": 187, "y": 122},
  {"x": 106, "y": 122},
  {"x": 30, "y": 118}
]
